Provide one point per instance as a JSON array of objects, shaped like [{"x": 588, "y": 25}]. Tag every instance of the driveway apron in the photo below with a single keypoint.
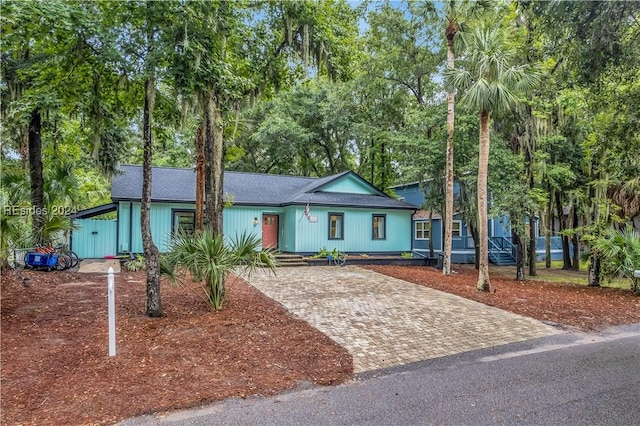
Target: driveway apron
[{"x": 384, "y": 321}]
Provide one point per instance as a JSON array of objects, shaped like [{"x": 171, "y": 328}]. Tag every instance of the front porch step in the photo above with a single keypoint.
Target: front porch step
[
  {"x": 288, "y": 259},
  {"x": 502, "y": 258}
]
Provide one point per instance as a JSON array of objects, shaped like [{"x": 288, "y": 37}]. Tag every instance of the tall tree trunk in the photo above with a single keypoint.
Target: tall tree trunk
[
  {"x": 532, "y": 246},
  {"x": 483, "y": 232},
  {"x": 476, "y": 244},
  {"x": 450, "y": 33},
  {"x": 593, "y": 279},
  {"x": 519, "y": 256},
  {"x": 383, "y": 164},
  {"x": 566, "y": 258},
  {"x": 575, "y": 241},
  {"x": 547, "y": 233},
  {"x": 38, "y": 218},
  {"x": 532, "y": 218},
  {"x": 214, "y": 163},
  {"x": 154, "y": 302},
  {"x": 431, "y": 233},
  {"x": 200, "y": 178},
  {"x": 372, "y": 159}
]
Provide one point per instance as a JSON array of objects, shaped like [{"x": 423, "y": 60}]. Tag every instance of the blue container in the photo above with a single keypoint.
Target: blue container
[{"x": 40, "y": 260}]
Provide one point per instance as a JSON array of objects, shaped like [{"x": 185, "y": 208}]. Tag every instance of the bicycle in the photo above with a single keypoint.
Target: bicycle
[
  {"x": 337, "y": 259},
  {"x": 65, "y": 258}
]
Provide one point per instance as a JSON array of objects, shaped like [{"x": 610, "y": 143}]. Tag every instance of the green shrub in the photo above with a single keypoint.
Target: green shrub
[
  {"x": 210, "y": 259},
  {"x": 619, "y": 253},
  {"x": 136, "y": 264}
]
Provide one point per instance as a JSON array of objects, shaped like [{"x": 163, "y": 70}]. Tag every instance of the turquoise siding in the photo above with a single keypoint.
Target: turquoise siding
[
  {"x": 94, "y": 238},
  {"x": 161, "y": 223},
  {"x": 350, "y": 185},
  {"x": 358, "y": 229},
  {"x": 288, "y": 228},
  {"x": 239, "y": 219},
  {"x": 296, "y": 233}
]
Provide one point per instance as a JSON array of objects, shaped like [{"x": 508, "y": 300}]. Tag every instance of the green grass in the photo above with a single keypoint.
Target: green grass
[
  {"x": 557, "y": 264},
  {"x": 556, "y": 274}
]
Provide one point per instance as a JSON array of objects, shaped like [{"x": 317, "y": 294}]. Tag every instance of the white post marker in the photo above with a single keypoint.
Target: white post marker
[{"x": 112, "y": 313}]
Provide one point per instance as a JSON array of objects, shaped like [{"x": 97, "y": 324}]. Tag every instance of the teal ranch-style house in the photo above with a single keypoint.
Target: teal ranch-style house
[
  {"x": 291, "y": 214},
  {"x": 501, "y": 249}
]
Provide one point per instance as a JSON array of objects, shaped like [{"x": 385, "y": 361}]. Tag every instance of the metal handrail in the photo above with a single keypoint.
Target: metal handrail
[{"x": 424, "y": 256}]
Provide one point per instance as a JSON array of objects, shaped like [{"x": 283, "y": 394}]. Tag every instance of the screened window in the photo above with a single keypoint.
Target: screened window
[
  {"x": 336, "y": 226},
  {"x": 379, "y": 226},
  {"x": 422, "y": 230},
  {"x": 456, "y": 229},
  {"x": 184, "y": 221}
]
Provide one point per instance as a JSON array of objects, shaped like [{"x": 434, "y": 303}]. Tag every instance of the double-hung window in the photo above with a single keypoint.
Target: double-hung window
[
  {"x": 336, "y": 226},
  {"x": 456, "y": 229},
  {"x": 379, "y": 226},
  {"x": 422, "y": 229}
]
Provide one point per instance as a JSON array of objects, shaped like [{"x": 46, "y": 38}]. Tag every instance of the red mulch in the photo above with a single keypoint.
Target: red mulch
[
  {"x": 565, "y": 304},
  {"x": 55, "y": 369}
]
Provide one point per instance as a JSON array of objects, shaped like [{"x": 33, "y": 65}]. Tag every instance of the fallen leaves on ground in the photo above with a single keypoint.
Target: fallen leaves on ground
[
  {"x": 563, "y": 304},
  {"x": 55, "y": 369}
]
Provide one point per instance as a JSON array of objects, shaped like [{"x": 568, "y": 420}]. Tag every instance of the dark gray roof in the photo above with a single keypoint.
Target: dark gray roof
[
  {"x": 95, "y": 211},
  {"x": 178, "y": 185}
]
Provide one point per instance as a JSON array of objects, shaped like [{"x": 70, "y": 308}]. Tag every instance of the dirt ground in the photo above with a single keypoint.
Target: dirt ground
[{"x": 56, "y": 369}]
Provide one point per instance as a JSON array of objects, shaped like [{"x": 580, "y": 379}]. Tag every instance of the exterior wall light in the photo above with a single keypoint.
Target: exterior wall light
[{"x": 255, "y": 221}]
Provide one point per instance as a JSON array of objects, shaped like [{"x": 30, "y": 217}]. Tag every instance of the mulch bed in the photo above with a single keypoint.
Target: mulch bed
[
  {"x": 56, "y": 369},
  {"x": 564, "y": 304}
]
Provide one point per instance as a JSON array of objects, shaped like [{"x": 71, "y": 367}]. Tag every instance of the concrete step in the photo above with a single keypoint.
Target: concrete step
[{"x": 288, "y": 259}]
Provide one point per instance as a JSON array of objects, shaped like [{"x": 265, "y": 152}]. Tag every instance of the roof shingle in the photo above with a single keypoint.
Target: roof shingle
[{"x": 178, "y": 185}]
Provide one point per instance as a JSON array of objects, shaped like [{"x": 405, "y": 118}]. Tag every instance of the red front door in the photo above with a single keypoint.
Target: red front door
[{"x": 270, "y": 231}]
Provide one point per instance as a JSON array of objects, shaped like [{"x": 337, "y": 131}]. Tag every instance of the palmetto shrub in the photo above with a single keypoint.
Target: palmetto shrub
[
  {"x": 619, "y": 253},
  {"x": 210, "y": 259}
]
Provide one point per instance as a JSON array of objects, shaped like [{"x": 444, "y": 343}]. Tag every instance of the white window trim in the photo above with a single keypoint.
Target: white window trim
[
  {"x": 415, "y": 230},
  {"x": 459, "y": 222}
]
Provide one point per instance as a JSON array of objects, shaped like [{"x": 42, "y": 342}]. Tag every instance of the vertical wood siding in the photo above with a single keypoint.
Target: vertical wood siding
[
  {"x": 239, "y": 219},
  {"x": 161, "y": 225},
  {"x": 358, "y": 231},
  {"x": 350, "y": 185},
  {"x": 296, "y": 233},
  {"x": 94, "y": 238}
]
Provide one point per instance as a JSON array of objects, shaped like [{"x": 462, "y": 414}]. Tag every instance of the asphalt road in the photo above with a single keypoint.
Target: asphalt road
[{"x": 568, "y": 379}]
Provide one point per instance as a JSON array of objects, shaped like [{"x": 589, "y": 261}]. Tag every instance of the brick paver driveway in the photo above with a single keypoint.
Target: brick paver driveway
[{"x": 384, "y": 321}]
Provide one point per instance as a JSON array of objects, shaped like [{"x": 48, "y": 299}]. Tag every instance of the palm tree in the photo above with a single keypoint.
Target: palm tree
[
  {"x": 209, "y": 259},
  {"x": 489, "y": 81},
  {"x": 453, "y": 14}
]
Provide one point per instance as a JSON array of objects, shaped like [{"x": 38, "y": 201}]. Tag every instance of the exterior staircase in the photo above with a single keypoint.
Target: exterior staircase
[
  {"x": 288, "y": 259},
  {"x": 501, "y": 258},
  {"x": 501, "y": 251}
]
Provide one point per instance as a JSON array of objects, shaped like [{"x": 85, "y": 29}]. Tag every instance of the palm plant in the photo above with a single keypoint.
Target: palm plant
[
  {"x": 489, "y": 81},
  {"x": 210, "y": 259},
  {"x": 14, "y": 231},
  {"x": 454, "y": 14},
  {"x": 619, "y": 254}
]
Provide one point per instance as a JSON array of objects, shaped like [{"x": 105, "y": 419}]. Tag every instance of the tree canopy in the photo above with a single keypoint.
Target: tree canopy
[{"x": 318, "y": 87}]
